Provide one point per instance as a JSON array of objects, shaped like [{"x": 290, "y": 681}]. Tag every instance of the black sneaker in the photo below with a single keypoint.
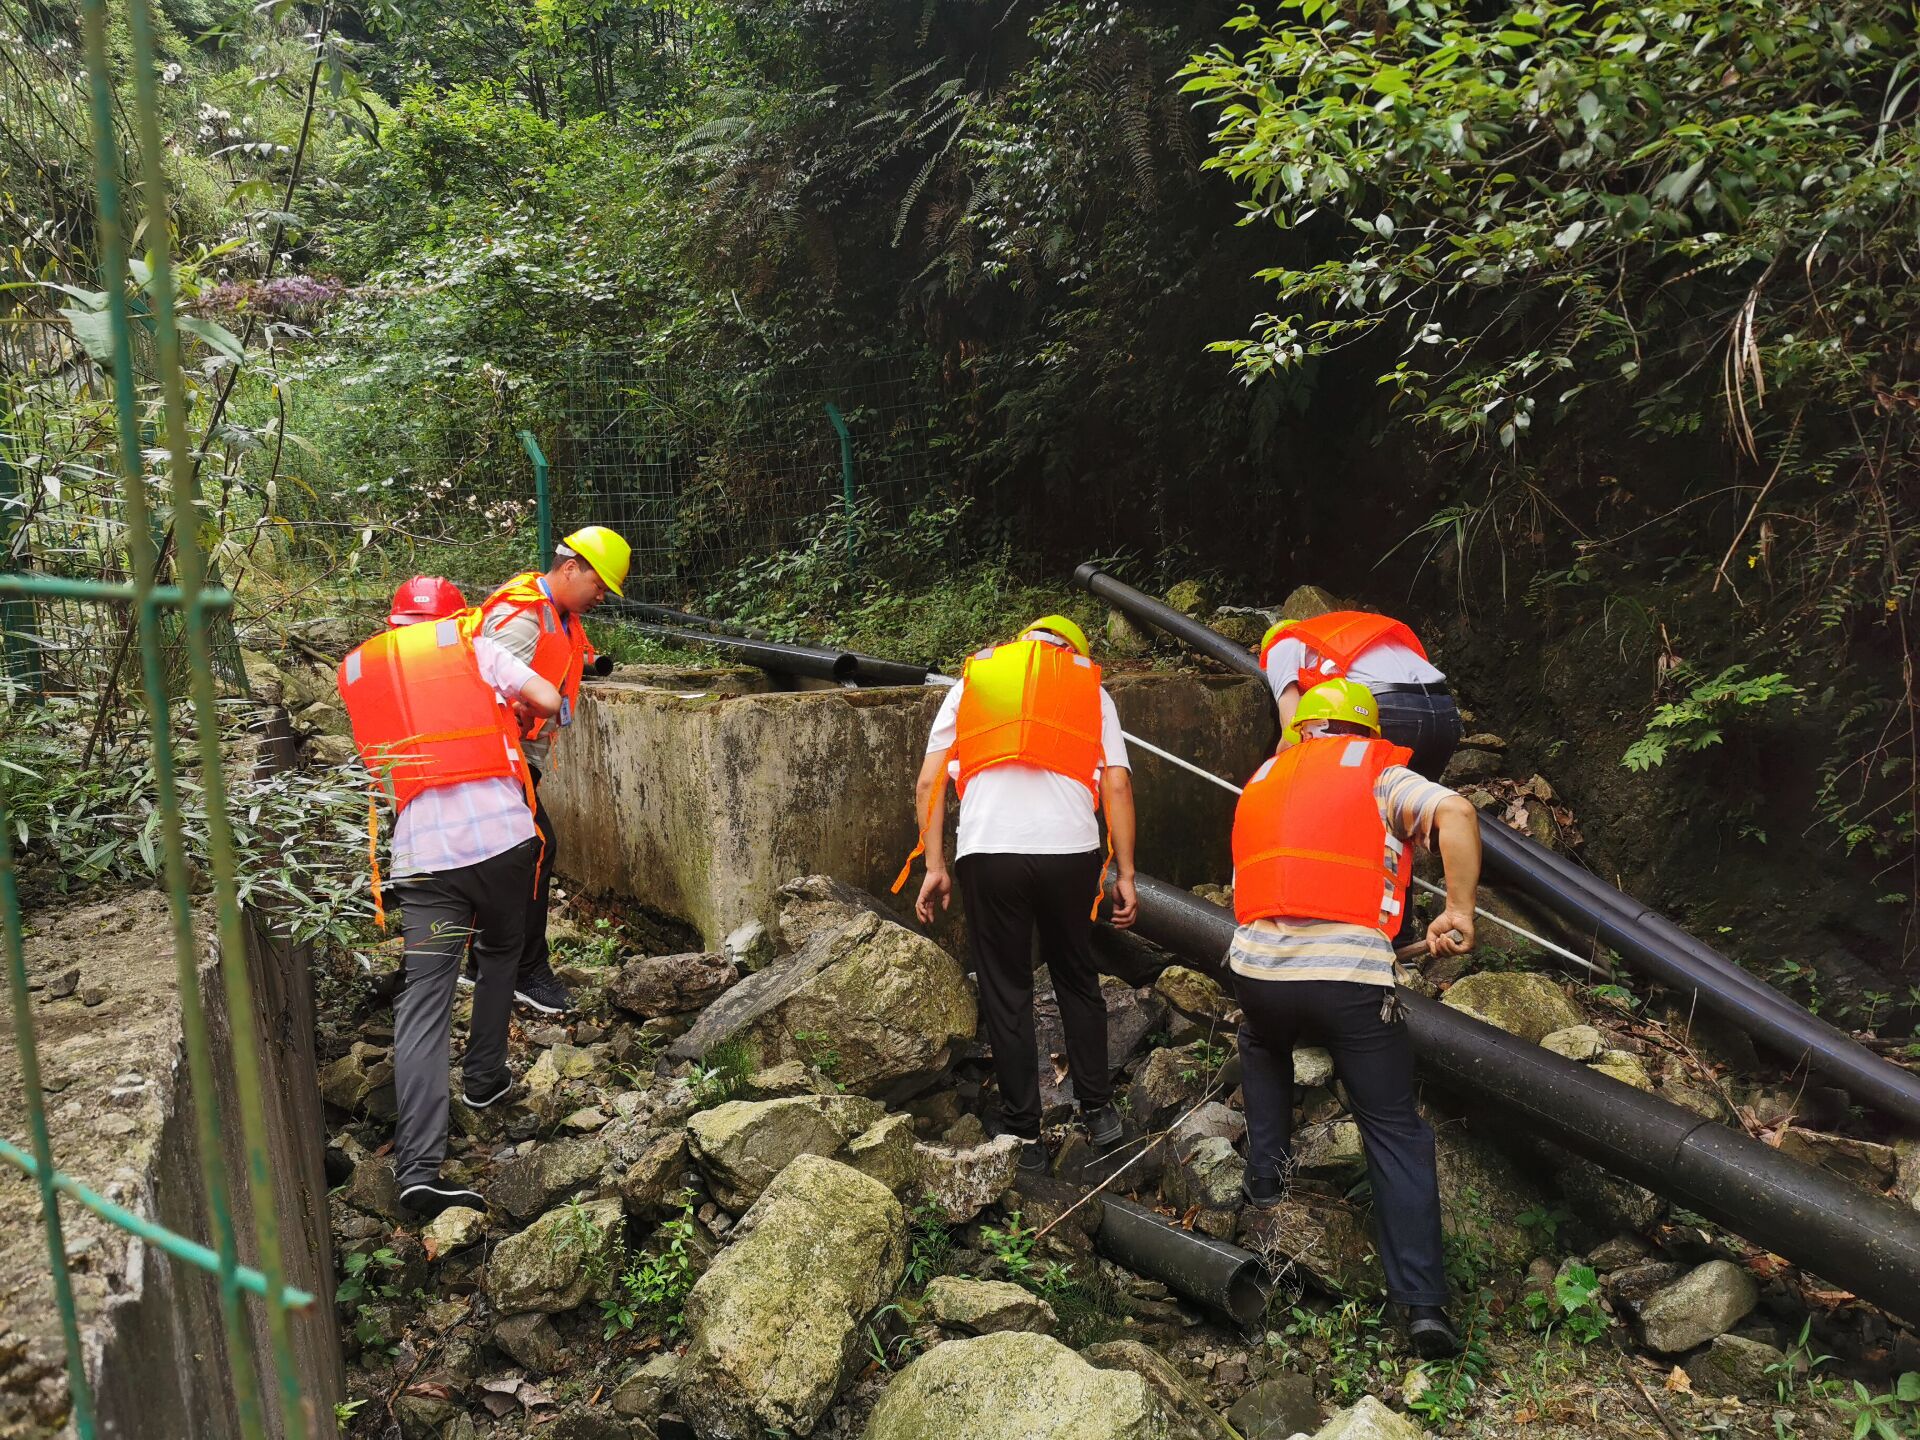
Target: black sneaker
[
  {"x": 480, "y": 1099},
  {"x": 1103, "y": 1126},
  {"x": 429, "y": 1199},
  {"x": 1033, "y": 1156},
  {"x": 1432, "y": 1336},
  {"x": 542, "y": 992},
  {"x": 1262, "y": 1192}
]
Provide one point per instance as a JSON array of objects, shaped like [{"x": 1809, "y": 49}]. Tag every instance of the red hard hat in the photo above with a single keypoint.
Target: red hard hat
[{"x": 425, "y": 597}]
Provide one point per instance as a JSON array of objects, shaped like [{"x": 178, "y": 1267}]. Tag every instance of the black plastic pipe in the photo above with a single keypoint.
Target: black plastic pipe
[
  {"x": 1649, "y": 943},
  {"x": 1859, "y": 1241},
  {"x": 1231, "y": 1280},
  {"x": 809, "y": 660}
]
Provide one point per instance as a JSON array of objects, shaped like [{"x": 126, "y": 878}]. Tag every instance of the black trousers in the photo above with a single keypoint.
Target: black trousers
[
  {"x": 534, "y": 956},
  {"x": 441, "y": 912},
  {"x": 1008, "y": 897},
  {"x": 1374, "y": 1060}
]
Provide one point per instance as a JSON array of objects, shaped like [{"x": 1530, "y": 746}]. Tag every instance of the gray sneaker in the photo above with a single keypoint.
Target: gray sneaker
[
  {"x": 543, "y": 992},
  {"x": 1103, "y": 1126}
]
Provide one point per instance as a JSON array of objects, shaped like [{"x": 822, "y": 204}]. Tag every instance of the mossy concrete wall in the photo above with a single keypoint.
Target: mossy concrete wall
[{"x": 700, "y": 804}]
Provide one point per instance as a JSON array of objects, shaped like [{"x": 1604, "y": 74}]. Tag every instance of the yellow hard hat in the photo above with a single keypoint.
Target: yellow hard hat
[
  {"x": 1274, "y": 632},
  {"x": 1340, "y": 699},
  {"x": 1063, "y": 627},
  {"x": 606, "y": 552}
]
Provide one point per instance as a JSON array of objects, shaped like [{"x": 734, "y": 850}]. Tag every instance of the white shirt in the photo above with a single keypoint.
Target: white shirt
[
  {"x": 1021, "y": 809},
  {"x": 452, "y": 826},
  {"x": 1387, "y": 663}
]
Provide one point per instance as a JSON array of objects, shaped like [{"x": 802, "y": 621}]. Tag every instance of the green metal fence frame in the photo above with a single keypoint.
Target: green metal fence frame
[{"x": 196, "y": 602}]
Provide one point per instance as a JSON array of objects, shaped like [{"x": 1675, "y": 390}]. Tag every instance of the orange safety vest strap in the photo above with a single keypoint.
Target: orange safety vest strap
[
  {"x": 373, "y": 856},
  {"x": 926, "y": 824}
]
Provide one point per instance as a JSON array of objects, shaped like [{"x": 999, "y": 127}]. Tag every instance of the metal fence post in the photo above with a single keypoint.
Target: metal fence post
[
  {"x": 846, "y": 470},
  {"x": 542, "y": 498}
]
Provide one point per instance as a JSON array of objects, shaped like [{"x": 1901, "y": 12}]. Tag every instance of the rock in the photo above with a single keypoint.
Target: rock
[
  {"x": 1170, "y": 1082},
  {"x": 1576, "y": 1042},
  {"x": 1865, "y": 1163},
  {"x": 1605, "y": 1201},
  {"x": 453, "y": 1229},
  {"x": 750, "y": 946},
  {"x": 1332, "y": 1150},
  {"x": 1624, "y": 1067},
  {"x": 1369, "y": 1420},
  {"x": 983, "y": 1307},
  {"x": 421, "y": 1417},
  {"x": 965, "y": 1133},
  {"x": 1906, "y": 1179},
  {"x": 1240, "y": 625},
  {"x": 1518, "y": 1001},
  {"x": 533, "y": 1342},
  {"x": 963, "y": 1182},
  {"x": 585, "y": 1120},
  {"x": 1307, "y": 601},
  {"x": 1208, "y": 1173},
  {"x": 1015, "y": 1386},
  {"x": 790, "y": 1077},
  {"x": 1311, "y": 1066},
  {"x": 1631, "y": 1286},
  {"x": 1192, "y": 993},
  {"x": 1192, "y": 1417},
  {"x": 894, "y": 1003},
  {"x": 558, "y": 1261},
  {"x": 1124, "y": 636},
  {"x": 1317, "y": 1235},
  {"x": 531, "y": 1184},
  {"x": 813, "y": 904},
  {"x": 1467, "y": 766},
  {"x": 644, "y": 1392},
  {"x": 1482, "y": 1190},
  {"x": 355, "y": 1078},
  {"x": 1483, "y": 741},
  {"x": 1211, "y": 1119},
  {"x": 741, "y": 1145},
  {"x": 1132, "y": 1015},
  {"x": 775, "y": 1325},
  {"x": 372, "y": 1188},
  {"x": 656, "y": 1175},
  {"x": 1614, "y": 1253},
  {"x": 671, "y": 984},
  {"x": 885, "y": 1152},
  {"x": 1735, "y": 1365},
  {"x": 1708, "y": 1301},
  {"x": 1276, "y": 1409},
  {"x": 1191, "y": 598},
  {"x": 588, "y": 1422}
]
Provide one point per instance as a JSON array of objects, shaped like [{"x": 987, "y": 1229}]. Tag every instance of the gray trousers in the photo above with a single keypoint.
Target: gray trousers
[{"x": 484, "y": 903}]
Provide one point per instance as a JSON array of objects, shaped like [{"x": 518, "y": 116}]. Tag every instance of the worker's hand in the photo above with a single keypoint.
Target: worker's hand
[
  {"x": 1126, "y": 904},
  {"x": 937, "y": 886},
  {"x": 526, "y": 715},
  {"x": 1451, "y": 932}
]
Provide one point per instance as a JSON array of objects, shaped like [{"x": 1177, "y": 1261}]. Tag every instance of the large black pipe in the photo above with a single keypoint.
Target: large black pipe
[
  {"x": 1862, "y": 1242},
  {"x": 1211, "y": 1271},
  {"x": 1649, "y": 943},
  {"x": 808, "y": 660}
]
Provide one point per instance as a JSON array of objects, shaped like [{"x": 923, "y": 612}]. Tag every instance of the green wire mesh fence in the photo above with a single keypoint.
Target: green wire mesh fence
[{"x": 137, "y": 419}]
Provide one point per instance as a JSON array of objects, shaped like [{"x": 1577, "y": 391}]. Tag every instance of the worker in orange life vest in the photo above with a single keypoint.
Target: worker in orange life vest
[
  {"x": 536, "y": 619},
  {"x": 1322, "y": 842},
  {"x": 1416, "y": 708},
  {"x": 437, "y": 715},
  {"x": 1035, "y": 747}
]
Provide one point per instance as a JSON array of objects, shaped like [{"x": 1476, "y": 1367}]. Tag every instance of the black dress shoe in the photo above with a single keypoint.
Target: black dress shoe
[
  {"x": 1033, "y": 1156},
  {"x": 1432, "y": 1336},
  {"x": 1263, "y": 1192}
]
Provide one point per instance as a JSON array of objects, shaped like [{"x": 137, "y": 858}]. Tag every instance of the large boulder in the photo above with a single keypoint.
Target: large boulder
[
  {"x": 1015, "y": 1386},
  {"x": 775, "y": 1325},
  {"x": 964, "y": 1180},
  {"x": 1190, "y": 1416},
  {"x": 532, "y": 1184},
  {"x": 985, "y": 1307},
  {"x": 558, "y": 1261},
  {"x": 1278, "y": 1408},
  {"x": 671, "y": 984},
  {"x": 741, "y": 1145},
  {"x": 1193, "y": 994},
  {"x": 1317, "y": 1235},
  {"x": 1735, "y": 1365},
  {"x": 653, "y": 1177},
  {"x": 1708, "y": 1300},
  {"x": 1369, "y": 1420},
  {"x": 1170, "y": 1082},
  {"x": 1208, "y": 1173},
  {"x": 891, "y": 1006},
  {"x": 1520, "y": 1002}
]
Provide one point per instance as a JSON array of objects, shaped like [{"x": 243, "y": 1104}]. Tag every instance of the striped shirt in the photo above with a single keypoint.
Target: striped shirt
[
  {"x": 453, "y": 826},
  {"x": 1300, "y": 948}
]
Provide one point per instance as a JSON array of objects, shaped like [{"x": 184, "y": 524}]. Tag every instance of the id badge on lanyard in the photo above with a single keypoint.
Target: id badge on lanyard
[{"x": 566, "y": 712}]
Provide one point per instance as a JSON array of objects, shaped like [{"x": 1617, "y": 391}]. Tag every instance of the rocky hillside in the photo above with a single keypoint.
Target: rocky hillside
[{"x": 750, "y": 1194}]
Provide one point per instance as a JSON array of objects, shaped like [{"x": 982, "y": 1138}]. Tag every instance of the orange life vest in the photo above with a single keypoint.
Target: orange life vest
[
  {"x": 562, "y": 652},
  {"x": 1309, "y": 841},
  {"x": 1335, "y": 640},
  {"x": 1030, "y": 703},
  {"x": 422, "y": 717}
]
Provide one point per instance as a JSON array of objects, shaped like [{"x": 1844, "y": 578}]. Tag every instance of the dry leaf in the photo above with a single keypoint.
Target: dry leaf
[
  {"x": 1523, "y": 1417},
  {"x": 1679, "y": 1382}
]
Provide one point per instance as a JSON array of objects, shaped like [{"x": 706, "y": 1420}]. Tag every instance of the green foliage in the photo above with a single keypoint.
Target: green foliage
[
  {"x": 1575, "y": 1307},
  {"x": 1012, "y": 1247},
  {"x": 723, "y": 1072},
  {"x": 1892, "y": 1415},
  {"x": 649, "y": 1291},
  {"x": 1543, "y": 1222},
  {"x": 819, "y": 1050},
  {"x": 1207, "y": 1060},
  {"x": 1347, "y": 1345},
  {"x": 1696, "y": 722},
  {"x": 598, "y": 949},
  {"x": 887, "y": 1349},
  {"x": 368, "y": 1278},
  {"x": 932, "y": 1242}
]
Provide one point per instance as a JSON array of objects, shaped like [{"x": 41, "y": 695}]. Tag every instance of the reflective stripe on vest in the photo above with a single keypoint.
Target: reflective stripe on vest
[
  {"x": 1309, "y": 842},
  {"x": 421, "y": 714},
  {"x": 560, "y": 653},
  {"x": 1030, "y": 703},
  {"x": 1335, "y": 640}
]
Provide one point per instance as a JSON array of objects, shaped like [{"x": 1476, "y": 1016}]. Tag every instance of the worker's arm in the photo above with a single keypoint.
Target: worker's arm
[
  {"x": 1288, "y": 701},
  {"x": 538, "y": 697},
  {"x": 930, "y": 812},
  {"x": 1116, "y": 795},
  {"x": 1457, "y": 827}
]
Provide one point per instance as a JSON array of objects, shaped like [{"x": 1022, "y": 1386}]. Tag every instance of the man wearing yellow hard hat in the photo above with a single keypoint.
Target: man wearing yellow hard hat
[
  {"x": 1035, "y": 748},
  {"x": 1322, "y": 852},
  {"x": 536, "y": 619}
]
